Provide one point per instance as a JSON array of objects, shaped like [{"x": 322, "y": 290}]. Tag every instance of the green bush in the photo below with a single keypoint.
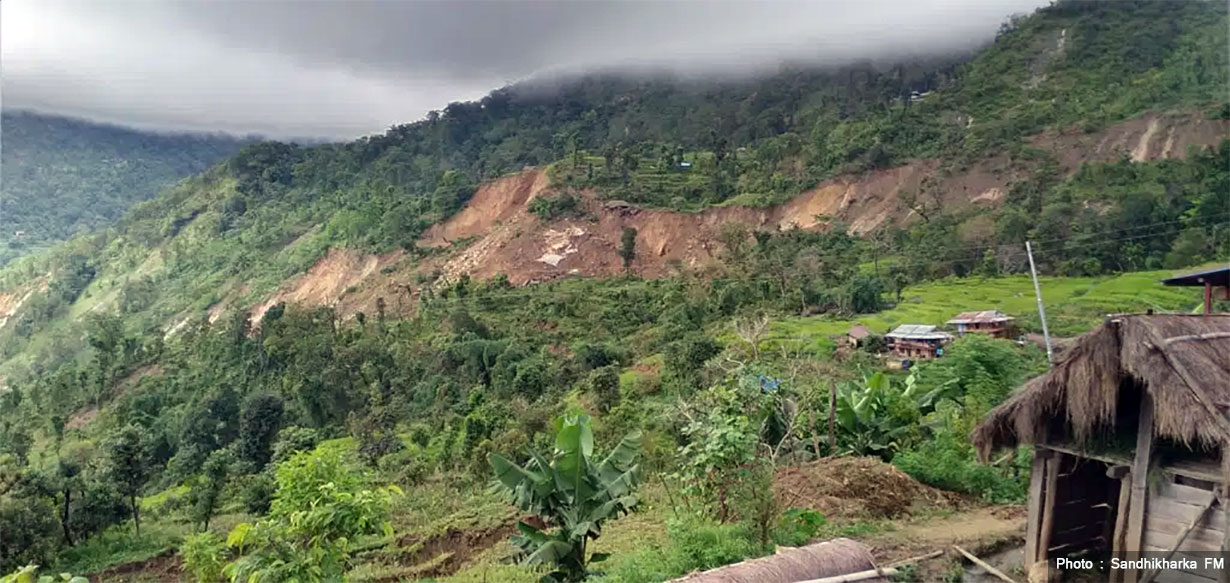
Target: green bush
[
  {"x": 948, "y": 462},
  {"x": 204, "y": 555},
  {"x": 549, "y": 208},
  {"x": 695, "y": 544},
  {"x": 798, "y": 526}
]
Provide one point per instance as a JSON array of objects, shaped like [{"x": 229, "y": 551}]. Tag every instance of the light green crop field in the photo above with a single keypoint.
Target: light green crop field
[{"x": 1073, "y": 304}]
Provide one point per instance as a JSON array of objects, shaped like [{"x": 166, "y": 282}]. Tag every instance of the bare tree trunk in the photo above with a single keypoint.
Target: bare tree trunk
[
  {"x": 136, "y": 514},
  {"x": 832, "y": 417},
  {"x": 65, "y": 516},
  {"x": 815, "y": 438}
]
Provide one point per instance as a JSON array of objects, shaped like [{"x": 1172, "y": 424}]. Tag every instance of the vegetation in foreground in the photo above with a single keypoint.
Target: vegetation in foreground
[{"x": 269, "y": 452}]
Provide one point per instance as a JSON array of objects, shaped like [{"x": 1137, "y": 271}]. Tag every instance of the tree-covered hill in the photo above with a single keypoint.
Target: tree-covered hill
[
  {"x": 130, "y": 348},
  {"x": 61, "y": 176}
]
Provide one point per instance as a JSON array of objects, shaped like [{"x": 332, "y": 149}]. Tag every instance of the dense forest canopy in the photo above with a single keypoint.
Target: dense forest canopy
[
  {"x": 64, "y": 176},
  {"x": 115, "y": 361}
]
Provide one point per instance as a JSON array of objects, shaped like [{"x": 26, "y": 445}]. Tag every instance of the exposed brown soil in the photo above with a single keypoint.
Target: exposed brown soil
[
  {"x": 494, "y": 233},
  {"x": 444, "y": 554},
  {"x": 494, "y": 202},
  {"x": 856, "y": 487},
  {"x": 1150, "y": 137},
  {"x": 985, "y": 531},
  {"x": 164, "y": 568},
  {"x": 328, "y": 280}
]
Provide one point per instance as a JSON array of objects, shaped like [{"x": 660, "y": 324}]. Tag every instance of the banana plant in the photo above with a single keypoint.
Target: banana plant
[
  {"x": 869, "y": 414},
  {"x": 572, "y": 494},
  {"x": 863, "y": 413}
]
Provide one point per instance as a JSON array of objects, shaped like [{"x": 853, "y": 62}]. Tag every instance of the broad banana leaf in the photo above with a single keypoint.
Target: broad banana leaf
[
  {"x": 574, "y": 445},
  {"x": 549, "y": 553},
  {"x": 515, "y": 477},
  {"x": 620, "y": 458}
]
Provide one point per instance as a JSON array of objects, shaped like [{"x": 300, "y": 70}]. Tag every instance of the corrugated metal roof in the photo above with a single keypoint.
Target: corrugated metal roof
[
  {"x": 1218, "y": 276},
  {"x": 917, "y": 332},
  {"x": 984, "y": 316}
]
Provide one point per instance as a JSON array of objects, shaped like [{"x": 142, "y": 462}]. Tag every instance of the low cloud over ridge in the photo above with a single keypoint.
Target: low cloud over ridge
[{"x": 343, "y": 69}]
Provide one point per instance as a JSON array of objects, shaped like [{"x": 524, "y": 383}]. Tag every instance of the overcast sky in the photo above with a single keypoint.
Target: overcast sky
[{"x": 343, "y": 69}]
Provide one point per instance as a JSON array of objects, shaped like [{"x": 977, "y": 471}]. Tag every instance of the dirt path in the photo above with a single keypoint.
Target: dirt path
[
  {"x": 974, "y": 528},
  {"x": 990, "y": 532}
]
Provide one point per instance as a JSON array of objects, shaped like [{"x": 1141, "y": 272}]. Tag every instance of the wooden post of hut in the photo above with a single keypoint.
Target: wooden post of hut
[
  {"x": 1160, "y": 386},
  {"x": 1207, "y": 279}
]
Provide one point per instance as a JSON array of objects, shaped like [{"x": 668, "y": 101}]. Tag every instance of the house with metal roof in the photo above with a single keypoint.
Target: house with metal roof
[
  {"x": 916, "y": 341},
  {"x": 990, "y": 322}
]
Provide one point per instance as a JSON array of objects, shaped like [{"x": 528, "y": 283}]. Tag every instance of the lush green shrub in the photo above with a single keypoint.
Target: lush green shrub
[
  {"x": 321, "y": 506},
  {"x": 204, "y": 554},
  {"x": 695, "y": 544},
  {"x": 549, "y": 208},
  {"x": 948, "y": 461},
  {"x": 798, "y": 526}
]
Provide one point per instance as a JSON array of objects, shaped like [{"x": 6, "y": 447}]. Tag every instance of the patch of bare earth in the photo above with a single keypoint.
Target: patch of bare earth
[
  {"x": 857, "y": 487},
  {"x": 445, "y": 553},
  {"x": 328, "y": 280},
  {"x": 988, "y": 532},
  {"x": 164, "y": 568},
  {"x": 494, "y": 233}
]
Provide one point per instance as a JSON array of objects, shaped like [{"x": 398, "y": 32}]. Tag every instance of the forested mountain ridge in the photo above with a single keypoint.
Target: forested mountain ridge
[
  {"x": 374, "y": 289},
  {"x": 62, "y": 176}
]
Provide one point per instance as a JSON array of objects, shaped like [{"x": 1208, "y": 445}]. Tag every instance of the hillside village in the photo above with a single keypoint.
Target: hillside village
[{"x": 953, "y": 319}]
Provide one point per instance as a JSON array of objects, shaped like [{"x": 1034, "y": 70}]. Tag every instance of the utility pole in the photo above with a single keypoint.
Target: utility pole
[{"x": 1046, "y": 334}]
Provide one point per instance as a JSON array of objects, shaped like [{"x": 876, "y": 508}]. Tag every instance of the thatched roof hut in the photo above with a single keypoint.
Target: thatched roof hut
[
  {"x": 1083, "y": 389},
  {"x": 1160, "y": 382}
]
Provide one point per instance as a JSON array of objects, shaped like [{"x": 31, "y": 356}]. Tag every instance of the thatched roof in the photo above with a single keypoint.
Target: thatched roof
[
  {"x": 1083, "y": 386},
  {"x": 835, "y": 557}
]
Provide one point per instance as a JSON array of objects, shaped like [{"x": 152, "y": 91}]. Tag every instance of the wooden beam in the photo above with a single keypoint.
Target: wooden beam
[
  {"x": 1037, "y": 475},
  {"x": 1121, "y": 519},
  {"x": 984, "y": 565},
  {"x": 1224, "y": 501},
  {"x": 859, "y": 576},
  {"x": 1048, "y": 508},
  {"x": 1183, "y": 536},
  {"x": 1140, "y": 483},
  {"x": 1109, "y": 458}
]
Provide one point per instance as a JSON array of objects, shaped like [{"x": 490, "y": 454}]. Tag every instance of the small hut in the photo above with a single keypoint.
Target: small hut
[
  {"x": 856, "y": 335},
  {"x": 917, "y": 341},
  {"x": 993, "y": 323},
  {"x": 1132, "y": 445}
]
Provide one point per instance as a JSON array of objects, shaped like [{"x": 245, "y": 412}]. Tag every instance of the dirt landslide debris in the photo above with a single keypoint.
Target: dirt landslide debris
[
  {"x": 856, "y": 487},
  {"x": 444, "y": 553},
  {"x": 162, "y": 568}
]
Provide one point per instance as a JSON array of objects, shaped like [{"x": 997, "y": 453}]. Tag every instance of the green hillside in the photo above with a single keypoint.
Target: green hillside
[
  {"x": 64, "y": 176},
  {"x": 121, "y": 401}
]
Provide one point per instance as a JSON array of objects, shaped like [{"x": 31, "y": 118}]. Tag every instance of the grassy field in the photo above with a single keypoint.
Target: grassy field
[{"x": 1073, "y": 304}]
